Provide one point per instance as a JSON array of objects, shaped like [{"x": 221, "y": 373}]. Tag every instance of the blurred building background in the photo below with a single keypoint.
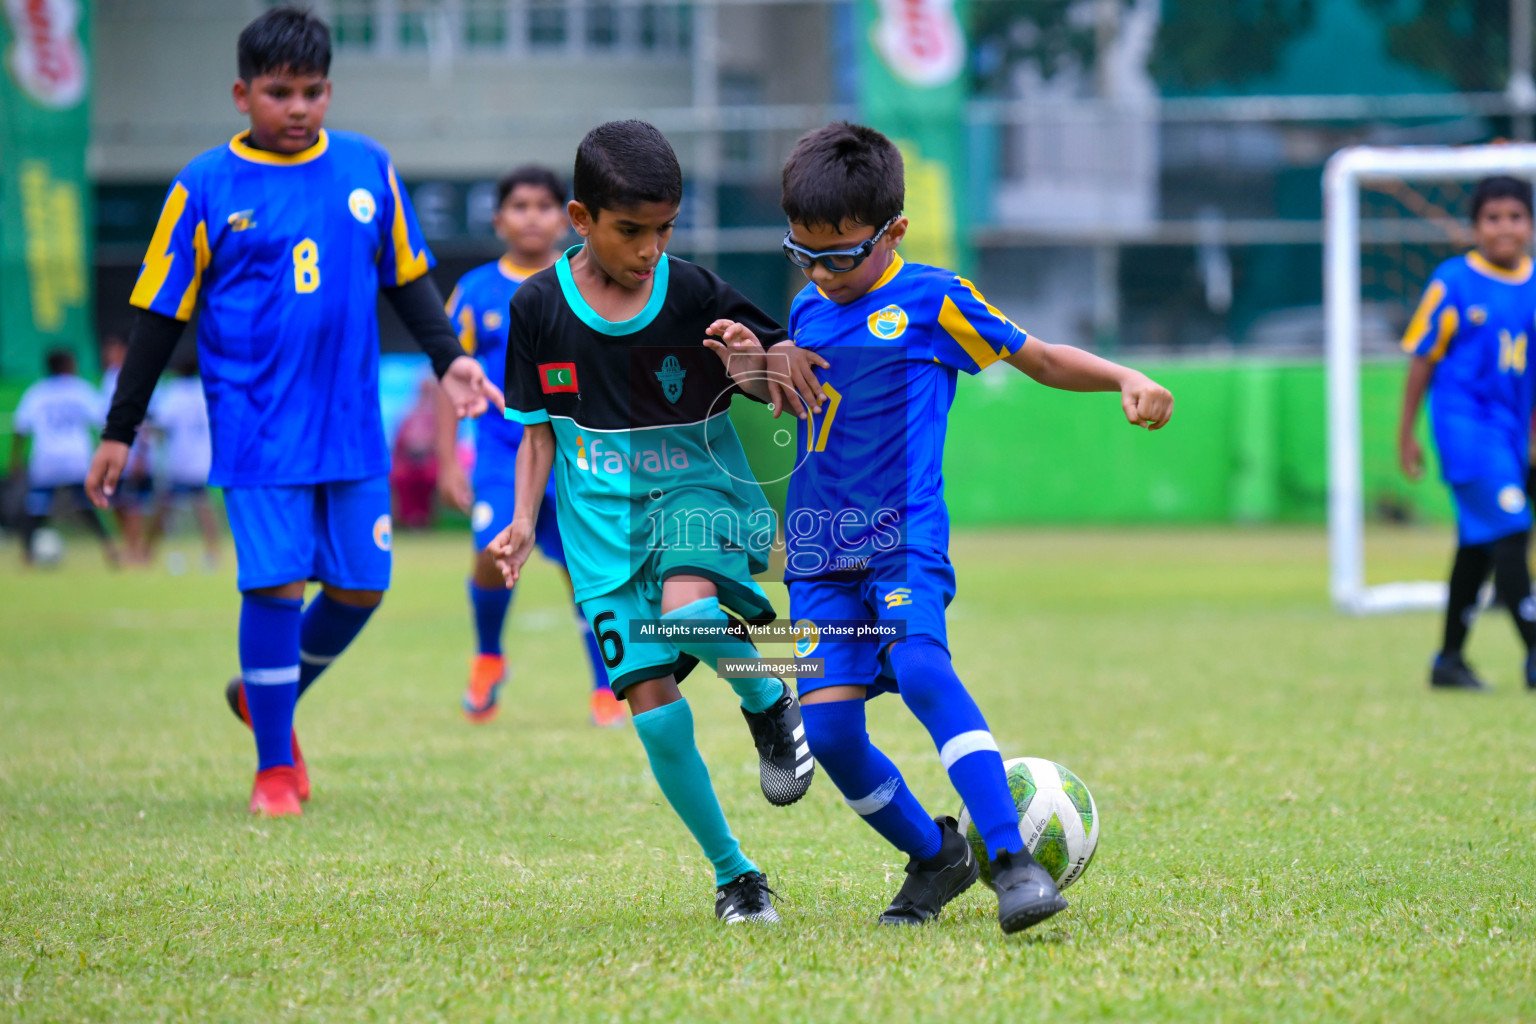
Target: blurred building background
[{"x": 1136, "y": 176}]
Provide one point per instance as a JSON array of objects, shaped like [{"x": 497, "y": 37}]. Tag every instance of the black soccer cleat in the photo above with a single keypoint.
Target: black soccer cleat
[
  {"x": 1026, "y": 894},
  {"x": 1451, "y": 672},
  {"x": 784, "y": 763},
  {"x": 932, "y": 883},
  {"x": 746, "y": 898}
]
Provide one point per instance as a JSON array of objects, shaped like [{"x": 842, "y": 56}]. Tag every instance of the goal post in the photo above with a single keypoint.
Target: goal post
[{"x": 1342, "y": 179}]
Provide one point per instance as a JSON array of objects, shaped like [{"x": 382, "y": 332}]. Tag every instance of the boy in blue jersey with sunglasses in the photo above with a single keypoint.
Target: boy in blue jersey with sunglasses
[
  {"x": 281, "y": 241},
  {"x": 866, "y": 528}
]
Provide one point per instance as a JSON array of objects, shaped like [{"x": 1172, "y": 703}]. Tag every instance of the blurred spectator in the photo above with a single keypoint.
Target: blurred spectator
[
  {"x": 413, "y": 476},
  {"x": 135, "y": 489},
  {"x": 178, "y": 414},
  {"x": 58, "y": 414}
]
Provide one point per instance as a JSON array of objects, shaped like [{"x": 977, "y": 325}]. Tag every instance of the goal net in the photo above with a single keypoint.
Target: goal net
[{"x": 1391, "y": 215}]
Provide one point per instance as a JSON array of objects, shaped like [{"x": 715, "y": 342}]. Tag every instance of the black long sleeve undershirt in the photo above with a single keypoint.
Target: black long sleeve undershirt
[{"x": 154, "y": 336}]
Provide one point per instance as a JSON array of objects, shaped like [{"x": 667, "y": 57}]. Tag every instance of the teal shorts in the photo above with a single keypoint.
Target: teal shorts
[{"x": 639, "y": 600}]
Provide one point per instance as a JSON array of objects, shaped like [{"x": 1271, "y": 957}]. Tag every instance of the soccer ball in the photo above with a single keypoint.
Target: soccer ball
[
  {"x": 1058, "y": 819},
  {"x": 47, "y": 547}
]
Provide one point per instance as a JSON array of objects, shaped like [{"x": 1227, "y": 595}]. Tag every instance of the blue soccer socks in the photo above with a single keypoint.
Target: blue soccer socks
[
  {"x": 757, "y": 693},
  {"x": 594, "y": 651},
  {"x": 667, "y": 733},
  {"x": 868, "y": 780},
  {"x": 490, "y": 608},
  {"x": 329, "y": 626},
  {"x": 269, "y": 664},
  {"x": 941, "y": 702}
]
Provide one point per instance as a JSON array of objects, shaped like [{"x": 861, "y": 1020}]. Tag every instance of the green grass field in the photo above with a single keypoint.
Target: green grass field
[{"x": 1293, "y": 827}]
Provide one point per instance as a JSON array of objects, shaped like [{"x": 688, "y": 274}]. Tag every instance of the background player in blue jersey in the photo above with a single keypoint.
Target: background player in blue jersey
[
  {"x": 282, "y": 240},
  {"x": 1470, "y": 343},
  {"x": 530, "y": 218},
  {"x": 866, "y": 525}
]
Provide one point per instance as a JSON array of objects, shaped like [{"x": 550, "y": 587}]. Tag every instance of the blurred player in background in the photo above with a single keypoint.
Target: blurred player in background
[
  {"x": 866, "y": 527},
  {"x": 1470, "y": 342},
  {"x": 57, "y": 414},
  {"x": 178, "y": 413},
  {"x": 286, "y": 235},
  {"x": 530, "y": 218},
  {"x": 135, "y": 492}
]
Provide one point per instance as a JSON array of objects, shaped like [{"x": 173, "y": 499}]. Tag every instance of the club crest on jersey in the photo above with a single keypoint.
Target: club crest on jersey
[
  {"x": 1477, "y": 315},
  {"x": 382, "y": 532},
  {"x": 898, "y": 597},
  {"x": 1512, "y": 499},
  {"x": 807, "y": 637},
  {"x": 671, "y": 376},
  {"x": 889, "y": 323},
  {"x": 557, "y": 377},
  {"x": 242, "y": 220},
  {"x": 361, "y": 203},
  {"x": 492, "y": 320}
]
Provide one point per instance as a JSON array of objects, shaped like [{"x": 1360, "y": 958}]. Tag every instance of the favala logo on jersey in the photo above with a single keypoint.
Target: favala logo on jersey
[
  {"x": 361, "y": 203},
  {"x": 921, "y": 40},
  {"x": 46, "y": 58},
  {"x": 671, "y": 376},
  {"x": 888, "y": 323}
]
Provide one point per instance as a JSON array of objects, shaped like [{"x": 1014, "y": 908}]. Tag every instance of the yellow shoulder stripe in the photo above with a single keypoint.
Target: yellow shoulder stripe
[
  {"x": 1449, "y": 320},
  {"x": 200, "y": 248},
  {"x": 1418, "y": 327},
  {"x": 970, "y": 339},
  {"x": 157, "y": 261},
  {"x": 467, "y": 339},
  {"x": 408, "y": 265},
  {"x": 990, "y": 308}
]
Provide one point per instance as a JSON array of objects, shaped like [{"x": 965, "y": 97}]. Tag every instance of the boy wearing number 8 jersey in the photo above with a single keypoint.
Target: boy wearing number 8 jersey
[
  {"x": 281, "y": 240},
  {"x": 866, "y": 528}
]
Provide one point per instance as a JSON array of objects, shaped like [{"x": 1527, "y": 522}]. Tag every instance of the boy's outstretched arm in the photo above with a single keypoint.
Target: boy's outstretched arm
[
  {"x": 1410, "y": 454},
  {"x": 535, "y": 455},
  {"x": 1146, "y": 403}
]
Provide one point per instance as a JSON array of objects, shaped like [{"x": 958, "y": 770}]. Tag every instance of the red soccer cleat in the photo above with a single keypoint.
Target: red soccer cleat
[
  {"x": 486, "y": 674},
  {"x": 607, "y": 710},
  {"x": 234, "y": 693},
  {"x": 276, "y": 792}
]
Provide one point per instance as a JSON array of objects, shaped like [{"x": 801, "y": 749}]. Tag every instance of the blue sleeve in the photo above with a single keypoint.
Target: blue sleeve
[
  {"x": 971, "y": 333},
  {"x": 178, "y": 254},
  {"x": 1434, "y": 323},
  {"x": 404, "y": 256}
]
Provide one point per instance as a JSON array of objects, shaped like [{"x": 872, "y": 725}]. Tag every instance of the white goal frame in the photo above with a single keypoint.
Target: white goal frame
[{"x": 1341, "y": 302}]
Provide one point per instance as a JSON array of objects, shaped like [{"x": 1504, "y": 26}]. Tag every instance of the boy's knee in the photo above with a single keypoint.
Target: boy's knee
[{"x": 834, "y": 729}]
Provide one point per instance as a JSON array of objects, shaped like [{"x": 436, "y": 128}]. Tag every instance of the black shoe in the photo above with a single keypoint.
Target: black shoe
[
  {"x": 746, "y": 898},
  {"x": 784, "y": 762},
  {"x": 1450, "y": 672},
  {"x": 934, "y": 882},
  {"x": 1026, "y": 895},
  {"x": 232, "y": 696}
]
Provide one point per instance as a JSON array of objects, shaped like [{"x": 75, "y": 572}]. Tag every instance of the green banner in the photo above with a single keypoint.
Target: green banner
[
  {"x": 45, "y": 230},
  {"x": 912, "y": 56}
]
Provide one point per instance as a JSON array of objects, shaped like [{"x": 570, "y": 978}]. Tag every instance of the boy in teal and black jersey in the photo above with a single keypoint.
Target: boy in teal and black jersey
[
  {"x": 866, "y": 526},
  {"x": 1469, "y": 340},
  {"x": 530, "y": 218},
  {"x": 610, "y": 370},
  {"x": 281, "y": 241}
]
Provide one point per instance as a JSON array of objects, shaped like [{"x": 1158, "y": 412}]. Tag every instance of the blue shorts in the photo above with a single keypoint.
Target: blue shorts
[
  {"x": 492, "y": 513},
  {"x": 907, "y": 588},
  {"x": 337, "y": 533},
  {"x": 1491, "y": 508}
]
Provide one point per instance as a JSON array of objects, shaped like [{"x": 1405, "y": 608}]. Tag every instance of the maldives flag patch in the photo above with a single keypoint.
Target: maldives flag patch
[{"x": 555, "y": 377}]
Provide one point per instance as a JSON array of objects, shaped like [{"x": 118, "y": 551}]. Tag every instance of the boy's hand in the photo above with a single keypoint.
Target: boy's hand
[
  {"x": 742, "y": 354},
  {"x": 1410, "y": 456},
  {"x": 1146, "y": 403},
  {"x": 792, "y": 379},
  {"x": 468, "y": 390},
  {"x": 511, "y": 549},
  {"x": 107, "y": 467},
  {"x": 453, "y": 485}
]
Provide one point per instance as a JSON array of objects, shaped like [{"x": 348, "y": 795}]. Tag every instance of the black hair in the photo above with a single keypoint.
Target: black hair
[
  {"x": 60, "y": 360},
  {"x": 1500, "y": 186},
  {"x": 530, "y": 174},
  {"x": 623, "y": 163},
  {"x": 844, "y": 172},
  {"x": 285, "y": 39}
]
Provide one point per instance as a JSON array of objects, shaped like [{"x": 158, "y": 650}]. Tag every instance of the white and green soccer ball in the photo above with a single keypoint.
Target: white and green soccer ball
[{"x": 1058, "y": 819}]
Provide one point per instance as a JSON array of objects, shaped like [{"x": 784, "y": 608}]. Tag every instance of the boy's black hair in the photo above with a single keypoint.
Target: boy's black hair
[
  {"x": 60, "y": 360},
  {"x": 623, "y": 163},
  {"x": 844, "y": 172},
  {"x": 285, "y": 39},
  {"x": 530, "y": 174},
  {"x": 1500, "y": 186}
]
